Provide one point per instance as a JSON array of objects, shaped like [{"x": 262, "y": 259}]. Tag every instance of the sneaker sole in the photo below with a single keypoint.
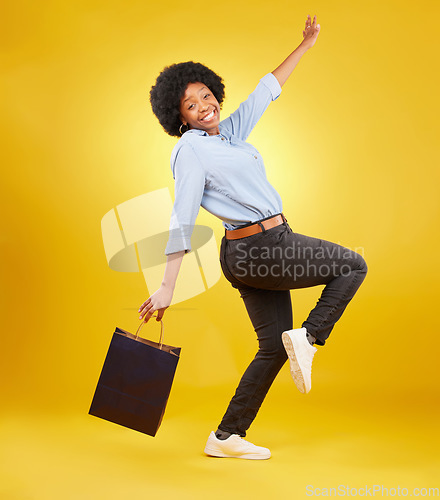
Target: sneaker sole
[
  {"x": 248, "y": 456},
  {"x": 295, "y": 370}
]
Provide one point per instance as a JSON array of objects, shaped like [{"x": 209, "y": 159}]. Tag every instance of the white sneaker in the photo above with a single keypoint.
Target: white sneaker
[
  {"x": 300, "y": 354},
  {"x": 234, "y": 447}
]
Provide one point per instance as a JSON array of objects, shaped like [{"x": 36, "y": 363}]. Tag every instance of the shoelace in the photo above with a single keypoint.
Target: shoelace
[{"x": 246, "y": 443}]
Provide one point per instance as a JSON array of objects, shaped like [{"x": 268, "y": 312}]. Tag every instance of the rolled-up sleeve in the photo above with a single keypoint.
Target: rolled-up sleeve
[
  {"x": 189, "y": 186},
  {"x": 243, "y": 120},
  {"x": 271, "y": 82}
]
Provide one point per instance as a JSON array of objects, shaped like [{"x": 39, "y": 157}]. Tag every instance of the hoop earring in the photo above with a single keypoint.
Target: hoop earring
[{"x": 180, "y": 129}]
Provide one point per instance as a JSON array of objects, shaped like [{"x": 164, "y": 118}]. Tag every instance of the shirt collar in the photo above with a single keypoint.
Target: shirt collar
[{"x": 197, "y": 131}]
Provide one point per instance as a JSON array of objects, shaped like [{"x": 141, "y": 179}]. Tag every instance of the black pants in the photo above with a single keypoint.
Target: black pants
[{"x": 264, "y": 268}]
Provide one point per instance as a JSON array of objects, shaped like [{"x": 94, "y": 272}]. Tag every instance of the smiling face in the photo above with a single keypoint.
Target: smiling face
[{"x": 200, "y": 109}]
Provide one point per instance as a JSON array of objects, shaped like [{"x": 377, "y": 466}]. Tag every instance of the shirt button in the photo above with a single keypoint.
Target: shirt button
[
  {"x": 223, "y": 138},
  {"x": 256, "y": 157}
]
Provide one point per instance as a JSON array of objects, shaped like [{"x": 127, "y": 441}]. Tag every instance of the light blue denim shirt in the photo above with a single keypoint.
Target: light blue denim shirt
[{"x": 223, "y": 173}]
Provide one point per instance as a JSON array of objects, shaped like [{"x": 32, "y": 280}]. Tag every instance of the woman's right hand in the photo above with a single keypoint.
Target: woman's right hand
[
  {"x": 310, "y": 33},
  {"x": 158, "y": 301}
]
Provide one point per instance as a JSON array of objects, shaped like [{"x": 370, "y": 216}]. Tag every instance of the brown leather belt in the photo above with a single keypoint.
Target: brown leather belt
[{"x": 235, "y": 234}]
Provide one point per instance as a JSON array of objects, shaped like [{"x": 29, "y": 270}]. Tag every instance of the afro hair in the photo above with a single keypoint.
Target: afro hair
[{"x": 170, "y": 86}]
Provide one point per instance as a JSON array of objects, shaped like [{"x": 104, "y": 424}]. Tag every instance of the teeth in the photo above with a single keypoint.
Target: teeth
[{"x": 208, "y": 117}]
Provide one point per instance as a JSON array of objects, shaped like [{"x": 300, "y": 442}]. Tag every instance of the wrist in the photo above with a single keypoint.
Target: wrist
[
  {"x": 168, "y": 286},
  {"x": 303, "y": 47}
]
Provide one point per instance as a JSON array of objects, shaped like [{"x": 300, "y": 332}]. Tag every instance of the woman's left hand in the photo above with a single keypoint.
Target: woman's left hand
[{"x": 311, "y": 32}]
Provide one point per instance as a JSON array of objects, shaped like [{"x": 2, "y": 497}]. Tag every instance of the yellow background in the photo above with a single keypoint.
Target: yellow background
[{"x": 351, "y": 146}]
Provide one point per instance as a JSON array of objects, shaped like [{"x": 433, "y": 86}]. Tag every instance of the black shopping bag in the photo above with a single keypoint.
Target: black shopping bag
[{"x": 135, "y": 381}]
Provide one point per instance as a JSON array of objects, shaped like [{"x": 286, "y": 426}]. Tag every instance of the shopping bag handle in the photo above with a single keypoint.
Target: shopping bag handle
[{"x": 161, "y": 331}]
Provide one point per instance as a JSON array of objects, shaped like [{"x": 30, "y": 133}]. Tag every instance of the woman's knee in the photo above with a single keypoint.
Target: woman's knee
[
  {"x": 354, "y": 263},
  {"x": 277, "y": 351},
  {"x": 361, "y": 264}
]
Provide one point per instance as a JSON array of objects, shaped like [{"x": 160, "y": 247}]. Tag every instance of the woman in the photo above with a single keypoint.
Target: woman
[{"x": 260, "y": 255}]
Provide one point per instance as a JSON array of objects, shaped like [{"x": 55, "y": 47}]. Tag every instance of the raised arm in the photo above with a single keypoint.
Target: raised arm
[{"x": 310, "y": 35}]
